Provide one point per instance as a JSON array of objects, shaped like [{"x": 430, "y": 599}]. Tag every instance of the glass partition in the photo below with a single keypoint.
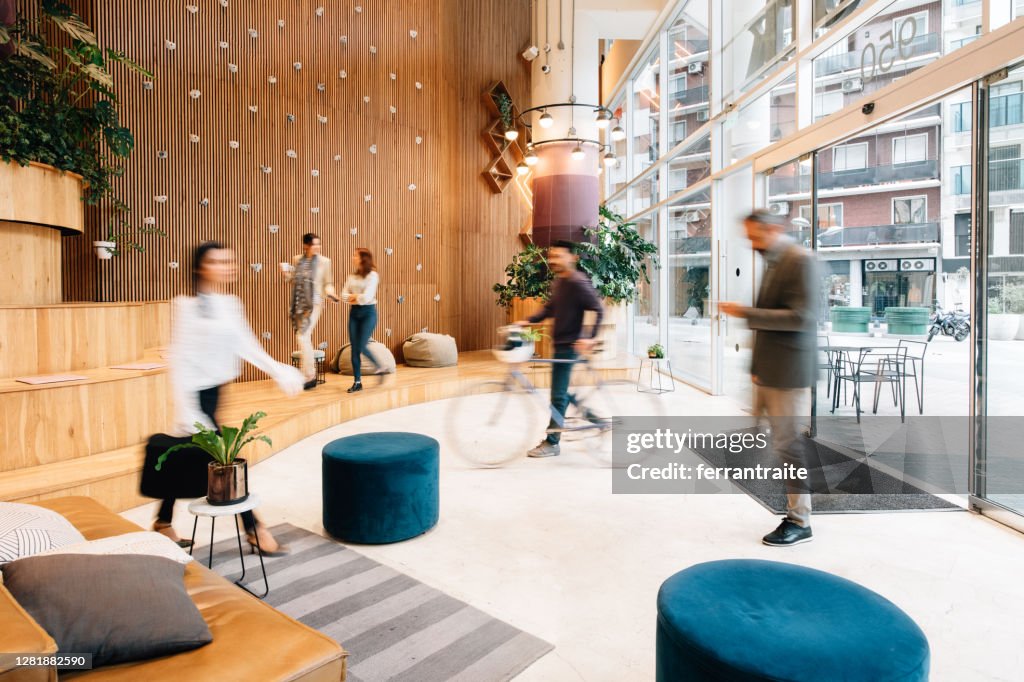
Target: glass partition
[
  {"x": 767, "y": 119},
  {"x": 757, "y": 38},
  {"x": 689, "y": 286},
  {"x": 691, "y": 165},
  {"x": 689, "y": 73},
  {"x": 899, "y": 40},
  {"x": 646, "y": 323},
  {"x": 618, "y": 175},
  {"x": 645, "y": 114}
]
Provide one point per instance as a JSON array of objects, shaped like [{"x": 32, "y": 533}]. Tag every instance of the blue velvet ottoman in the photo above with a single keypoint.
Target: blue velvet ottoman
[
  {"x": 762, "y": 620},
  {"x": 380, "y": 487}
]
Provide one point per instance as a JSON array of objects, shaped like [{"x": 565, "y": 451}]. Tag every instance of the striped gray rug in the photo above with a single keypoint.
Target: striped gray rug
[{"x": 394, "y": 627}]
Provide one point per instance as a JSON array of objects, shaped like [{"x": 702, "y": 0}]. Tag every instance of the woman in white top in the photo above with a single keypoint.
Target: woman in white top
[
  {"x": 210, "y": 337},
  {"x": 360, "y": 291}
]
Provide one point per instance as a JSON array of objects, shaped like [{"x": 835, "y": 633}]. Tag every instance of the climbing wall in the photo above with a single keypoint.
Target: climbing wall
[{"x": 266, "y": 120}]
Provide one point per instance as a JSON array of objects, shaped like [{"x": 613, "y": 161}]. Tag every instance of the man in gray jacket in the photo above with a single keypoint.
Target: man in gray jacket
[{"x": 784, "y": 362}]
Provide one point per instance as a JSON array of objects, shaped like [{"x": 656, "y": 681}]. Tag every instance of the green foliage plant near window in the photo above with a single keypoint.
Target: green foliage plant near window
[
  {"x": 57, "y": 103},
  {"x": 616, "y": 258}
]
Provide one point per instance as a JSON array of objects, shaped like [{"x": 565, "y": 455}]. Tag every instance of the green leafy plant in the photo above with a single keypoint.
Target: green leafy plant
[
  {"x": 698, "y": 288},
  {"x": 504, "y": 103},
  {"x": 57, "y": 104},
  {"x": 616, "y": 257},
  {"x": 656, "y": 351},
  {"x": 122, "y": 232},
  {"x": 527, "y": 276},
  {"x": 532, "y": 334},
  {"x": 223, "y": 447}
]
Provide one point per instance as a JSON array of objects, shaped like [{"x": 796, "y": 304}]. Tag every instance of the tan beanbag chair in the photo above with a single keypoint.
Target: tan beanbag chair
[
  {"x": 430, "y": 350},
  {"x": 343, "y": 360}
]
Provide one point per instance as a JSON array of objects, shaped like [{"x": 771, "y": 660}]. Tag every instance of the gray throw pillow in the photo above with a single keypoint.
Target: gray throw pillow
[{"x": 117, "y": 607}]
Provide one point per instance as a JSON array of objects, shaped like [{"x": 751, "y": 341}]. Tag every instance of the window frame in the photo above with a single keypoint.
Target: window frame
[
  {"x": 908, "y": 197},
  {"x": 844, "y": 147},
  {"x": 905, "y": 138},
  {"x": 896, "y": 28}
]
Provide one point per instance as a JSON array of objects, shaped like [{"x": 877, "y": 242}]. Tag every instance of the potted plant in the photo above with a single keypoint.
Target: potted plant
[
  {"x": 121, "y": 232},
  {"x": 616, "y": 257},
  {"x": 57, "y": 104},
  {"x": 504, "y": 103},
  {"x": 228, "y": 474},
  {"x": 656, "y": 352}
]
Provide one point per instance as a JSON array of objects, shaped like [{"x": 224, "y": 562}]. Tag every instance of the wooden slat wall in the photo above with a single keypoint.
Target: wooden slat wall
[{"x": 467, "y": 233}]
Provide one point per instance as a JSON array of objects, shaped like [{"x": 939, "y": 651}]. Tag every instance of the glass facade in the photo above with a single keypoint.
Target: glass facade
[{"x": 888, "y": 210}]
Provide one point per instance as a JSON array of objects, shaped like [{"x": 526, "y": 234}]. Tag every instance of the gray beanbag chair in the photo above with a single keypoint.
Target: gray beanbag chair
[
  {"x": 430, "y": 350},
  {"x": 343, "y": 359}
]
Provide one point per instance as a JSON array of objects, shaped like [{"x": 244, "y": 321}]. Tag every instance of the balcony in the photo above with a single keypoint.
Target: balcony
[
  {"x": 857, "y": 177},
  {"x": 828, "y": 65},
  {"x": 689, "y": 97},
  {"x": 872, "y": 235}
]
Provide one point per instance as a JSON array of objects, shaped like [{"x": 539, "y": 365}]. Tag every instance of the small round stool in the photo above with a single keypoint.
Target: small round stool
[
  {"x": 745, "y": 619},
  {"x": 380, "y": 487},
  {"x": 318, "y": 362}
]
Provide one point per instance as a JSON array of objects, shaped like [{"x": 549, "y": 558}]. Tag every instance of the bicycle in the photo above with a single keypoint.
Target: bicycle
[{"x": 495, "y": 421}]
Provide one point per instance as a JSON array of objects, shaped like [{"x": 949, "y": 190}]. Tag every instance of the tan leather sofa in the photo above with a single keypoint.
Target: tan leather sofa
[{"x": 251, "y": 641}]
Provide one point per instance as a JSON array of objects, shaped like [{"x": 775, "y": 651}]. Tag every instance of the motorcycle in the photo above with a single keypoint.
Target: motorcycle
[{"x": 955, "y": 323}]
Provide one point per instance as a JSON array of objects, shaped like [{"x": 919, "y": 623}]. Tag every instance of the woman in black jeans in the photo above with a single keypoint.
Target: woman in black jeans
[
  {"x": 209, "y": 339},
  {"x": 361, "y": 292}
]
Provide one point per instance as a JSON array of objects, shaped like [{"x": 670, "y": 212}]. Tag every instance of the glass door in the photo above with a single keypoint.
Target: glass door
[
  {"x": 734, "y": 200},
  {"x": 999, "y": 253}
]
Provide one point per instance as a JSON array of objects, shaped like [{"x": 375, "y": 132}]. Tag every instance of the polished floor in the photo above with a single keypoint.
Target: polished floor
[{"x": 544, "y": 545}]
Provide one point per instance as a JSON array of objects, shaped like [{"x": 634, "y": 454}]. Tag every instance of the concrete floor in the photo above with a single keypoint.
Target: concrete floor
[{"x": 544, "y": 545}]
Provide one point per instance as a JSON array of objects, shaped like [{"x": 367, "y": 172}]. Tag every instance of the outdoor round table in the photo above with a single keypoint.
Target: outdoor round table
[{"x": 201, "y": 507}]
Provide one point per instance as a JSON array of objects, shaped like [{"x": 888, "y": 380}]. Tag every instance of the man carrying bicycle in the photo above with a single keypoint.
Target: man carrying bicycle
[{"x": 572, "y": 295}]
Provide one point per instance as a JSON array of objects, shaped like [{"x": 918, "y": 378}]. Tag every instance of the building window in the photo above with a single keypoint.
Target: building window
[
  {"x": 850, "y": 157},
  {"x": 909, "y": 210},
  {"x": 827, "y": 103},
  {"x": 1006, "y": 105},
  {"x": 962, "y": 235},
  {"x": 910, "y": 148},
  {"x": 961, "y": 113},
  {"x": 829, "y": 215},
  {"x": 1017, "y": 232},
  {"x": 1004, "y": 168},
  {"x": 961, "y": 179},
  {"x": 920, "y": 21}
]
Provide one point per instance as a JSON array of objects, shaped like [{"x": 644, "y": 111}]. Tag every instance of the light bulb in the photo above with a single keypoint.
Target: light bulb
[
  {"x": 522, "y": 169},
  {"x": 618, "y": 134},
  {"x": 603, "y": 119},
  {"x": 531, "y": 158},
  {"x": 610, "y": 160},
  {"x": 546, "y": 120},
  {"x": 511, "y": 134},
  {"x": 577, "y": 153}
]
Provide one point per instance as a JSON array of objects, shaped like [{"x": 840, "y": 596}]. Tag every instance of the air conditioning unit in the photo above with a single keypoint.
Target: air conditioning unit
[
  {"x": 779, "y": 208},
  {"x": 702, "y": 115},
  {"x": 880, "y": 265},
  {"x": 695, "y": 68},
  {"x": 917, "y": 265},
  {"x": 692, "y": 216},
  {"x": 853, "y": 85}
]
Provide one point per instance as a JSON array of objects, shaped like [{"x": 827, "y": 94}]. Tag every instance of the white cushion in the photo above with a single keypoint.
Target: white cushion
[
  {"x": 317, "y": 354},
  {"x": 26, "y": 529},
  {"x": 139, "y": 542}
]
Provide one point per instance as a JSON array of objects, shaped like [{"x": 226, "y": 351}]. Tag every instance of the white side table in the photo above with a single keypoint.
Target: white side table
[
  {"x": 201, "y": 507},
  {"x": 658, "y": 369}
]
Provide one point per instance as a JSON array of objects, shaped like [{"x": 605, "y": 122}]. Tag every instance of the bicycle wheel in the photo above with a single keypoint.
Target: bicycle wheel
[
  {"x": 600, "y": 406},
  {"x": 489, "y": 425}
]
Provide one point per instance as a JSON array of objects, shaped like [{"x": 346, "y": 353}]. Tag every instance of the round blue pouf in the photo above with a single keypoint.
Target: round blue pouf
[
  {"x": 745, "y": 619},
  {"x": 380, "y": 487}
]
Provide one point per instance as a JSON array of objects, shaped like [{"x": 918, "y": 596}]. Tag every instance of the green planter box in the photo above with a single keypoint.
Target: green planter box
[
  {"x": 850, "y": 319},
  {"x": 907, "y": 321}
]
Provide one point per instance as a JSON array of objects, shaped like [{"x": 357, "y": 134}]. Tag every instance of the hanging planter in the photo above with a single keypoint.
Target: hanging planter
[{"x": 105, "y": 250}]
